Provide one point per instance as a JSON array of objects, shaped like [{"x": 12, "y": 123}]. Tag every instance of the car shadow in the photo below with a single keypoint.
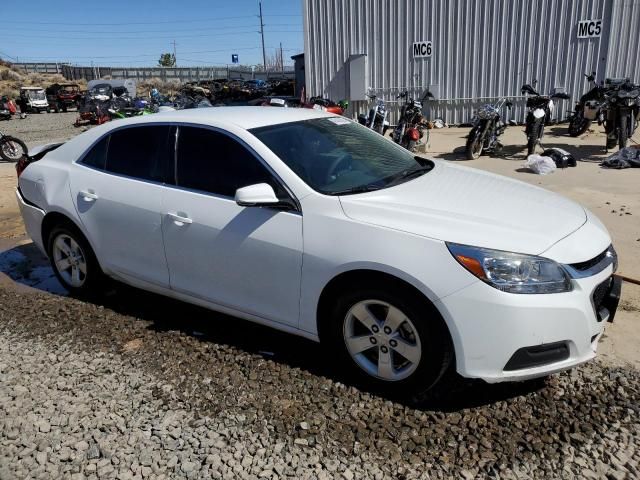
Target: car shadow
[{"x": 26, "y": 265}]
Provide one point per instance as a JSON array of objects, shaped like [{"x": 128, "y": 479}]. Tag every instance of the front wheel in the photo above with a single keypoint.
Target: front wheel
[
  {"x": 534, "y": 133},
  {"x": 73, "y": 262},
  {"x": 474, "y": 144},
  {"x": 390, "y": 339},
  {"x": 12, "y": 149},
  {"x": 623, "y": 131},
  {"x": 578, "y": 124}
]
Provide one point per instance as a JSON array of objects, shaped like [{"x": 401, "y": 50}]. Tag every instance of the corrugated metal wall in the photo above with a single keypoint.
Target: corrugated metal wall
[
  {"x": 624, "y": 40},
  {"x": 482, "y": 49}
]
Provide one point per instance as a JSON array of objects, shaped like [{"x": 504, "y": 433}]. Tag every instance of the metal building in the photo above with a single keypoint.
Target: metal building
[{"x": 466, "y": 52}]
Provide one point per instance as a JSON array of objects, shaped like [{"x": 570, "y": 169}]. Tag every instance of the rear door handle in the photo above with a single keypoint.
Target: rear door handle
[
  {"x": 89, "y": 195},
  {"x": 179, "y": 219}
]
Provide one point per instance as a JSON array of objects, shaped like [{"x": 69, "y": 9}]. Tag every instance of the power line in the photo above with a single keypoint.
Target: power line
[
  {"x": 112, "y": 33},
  {"x": 135, "y": 23},
  {"x": 146, "y": 37}
]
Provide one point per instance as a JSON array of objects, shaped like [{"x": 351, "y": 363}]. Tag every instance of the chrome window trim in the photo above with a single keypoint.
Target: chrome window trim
[{"x": 610, "y": 258}]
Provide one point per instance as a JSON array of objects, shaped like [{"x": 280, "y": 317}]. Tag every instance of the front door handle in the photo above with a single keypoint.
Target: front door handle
[
  {"x": 180, "y": 220},
  {"x": 88, "y": 195}
]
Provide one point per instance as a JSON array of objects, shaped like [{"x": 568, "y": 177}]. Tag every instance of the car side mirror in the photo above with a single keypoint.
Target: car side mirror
[{"x": 258, "y": 195}]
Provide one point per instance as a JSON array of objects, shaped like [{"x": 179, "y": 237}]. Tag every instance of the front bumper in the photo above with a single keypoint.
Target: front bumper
[{"x": 558, "y": 330}]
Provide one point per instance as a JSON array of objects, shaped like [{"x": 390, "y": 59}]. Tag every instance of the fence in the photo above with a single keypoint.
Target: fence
[{"x": 179, "y": 74}]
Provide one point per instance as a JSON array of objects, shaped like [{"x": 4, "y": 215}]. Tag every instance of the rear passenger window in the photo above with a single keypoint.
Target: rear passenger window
[
  {"x": 216, "y": 163},
  {"x": 139, "y": 152},
  {"x": 97, "y": 156}
]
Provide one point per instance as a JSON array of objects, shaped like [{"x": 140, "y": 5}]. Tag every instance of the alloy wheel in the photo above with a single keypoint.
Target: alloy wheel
[
  {"x": 382, "y": 340},
  {"x": 70, "y": 260}
]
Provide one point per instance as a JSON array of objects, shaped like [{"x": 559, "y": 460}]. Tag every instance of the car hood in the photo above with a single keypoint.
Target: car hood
[{"x": 472, "y": 207}]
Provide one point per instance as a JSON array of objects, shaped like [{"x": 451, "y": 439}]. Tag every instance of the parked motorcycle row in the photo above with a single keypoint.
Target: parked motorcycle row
[{"x": 615, "y": 103}]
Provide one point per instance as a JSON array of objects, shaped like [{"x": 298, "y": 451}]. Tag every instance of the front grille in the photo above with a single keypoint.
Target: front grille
[
  {"x": 600, "y": 293},
  {"x": 582, "y": 266}
]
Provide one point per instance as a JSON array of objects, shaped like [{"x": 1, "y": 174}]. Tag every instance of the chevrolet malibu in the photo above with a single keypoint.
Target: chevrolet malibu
[{"x": 409, "y": 270}]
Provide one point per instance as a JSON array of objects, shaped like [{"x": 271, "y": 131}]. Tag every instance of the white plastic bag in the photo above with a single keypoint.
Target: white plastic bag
[{"x": 539, "y": 164}]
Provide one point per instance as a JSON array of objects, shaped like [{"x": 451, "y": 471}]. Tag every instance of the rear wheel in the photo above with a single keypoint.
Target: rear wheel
[
  {"x": 578, "y": 124},
  {"x": 390, "y": 339},
  {"x": 474, "y": 144},
  {"x": 12, "y": 149},
  {"x": 73, "y": 261}
]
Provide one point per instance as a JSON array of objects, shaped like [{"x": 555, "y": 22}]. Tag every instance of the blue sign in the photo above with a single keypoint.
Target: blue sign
[{"x": 234, "y": 58}]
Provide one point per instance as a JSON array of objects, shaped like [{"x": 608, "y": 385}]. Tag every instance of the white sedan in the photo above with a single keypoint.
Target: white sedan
[{"x": 408, "y": 269}]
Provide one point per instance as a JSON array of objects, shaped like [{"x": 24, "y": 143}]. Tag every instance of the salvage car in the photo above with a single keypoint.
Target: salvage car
[{"x": 408, "y": 269}]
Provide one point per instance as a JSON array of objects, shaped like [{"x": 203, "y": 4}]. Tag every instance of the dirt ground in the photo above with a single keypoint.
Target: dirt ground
[{"x": 613, "y": 195}]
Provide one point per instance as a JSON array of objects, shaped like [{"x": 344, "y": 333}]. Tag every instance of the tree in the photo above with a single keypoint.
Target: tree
[{"x": 167, "y": 60}]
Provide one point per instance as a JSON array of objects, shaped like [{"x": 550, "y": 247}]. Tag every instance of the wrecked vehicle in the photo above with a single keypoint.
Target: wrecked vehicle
[{"x": 33, "y": 100}]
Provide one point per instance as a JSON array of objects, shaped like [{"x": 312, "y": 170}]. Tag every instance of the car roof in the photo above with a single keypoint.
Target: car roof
[
  {"x": 31, "y": 88},
  {"x": 243, "y": 117}
]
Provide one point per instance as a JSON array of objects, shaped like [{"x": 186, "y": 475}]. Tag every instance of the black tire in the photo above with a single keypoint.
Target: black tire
[
  {"x": 379, "y": 128},
  {"x": 533, "y": 136},
  {"x": 578, "y": 125},
  {"x": 8, "y": 145},
  {"x": 411, "y": 146},
  {"x": 474, "y": 145},
  {"x": 623, "y": 131},
  {"x": 437, "y": 349},
  {"x": 94, "y": 279}
]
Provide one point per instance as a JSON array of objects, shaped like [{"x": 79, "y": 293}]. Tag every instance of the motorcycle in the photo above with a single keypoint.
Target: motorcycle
[
  {"x": 539, "y": 110},
  {"x": 411, "y": 125},
  {"x": 588, "y": 109},
  {"x": 12, "y": 149},
  {"x": 377, "y": 118},
  {"x": 487, "y": 128},
  {"x": 622, "y": 103}
]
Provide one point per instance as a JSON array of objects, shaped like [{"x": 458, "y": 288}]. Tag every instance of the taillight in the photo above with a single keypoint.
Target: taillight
[
  {"x": 21, "y": 165},
  {"x": 414, "y": 134}
]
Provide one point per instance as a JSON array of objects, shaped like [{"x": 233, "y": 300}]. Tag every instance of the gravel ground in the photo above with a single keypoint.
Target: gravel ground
[
  {"x": 39, "y": 128},
  {"x": 124, "y": 390}
]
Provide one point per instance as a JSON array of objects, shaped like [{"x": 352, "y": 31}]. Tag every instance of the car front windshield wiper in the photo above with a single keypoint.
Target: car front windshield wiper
[
  {"x": 408, "y": 174},
  {"x": 358, "y": 189}
]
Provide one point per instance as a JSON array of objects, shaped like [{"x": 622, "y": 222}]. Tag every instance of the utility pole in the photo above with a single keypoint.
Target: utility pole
[
  {"x": 175, "y": 60},
  {"x": 264, "y": 54},
  {"x": 281, "y": 59}
]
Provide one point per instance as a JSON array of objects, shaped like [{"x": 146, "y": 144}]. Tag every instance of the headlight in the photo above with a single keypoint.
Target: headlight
[{"x": 512, "y": 272}]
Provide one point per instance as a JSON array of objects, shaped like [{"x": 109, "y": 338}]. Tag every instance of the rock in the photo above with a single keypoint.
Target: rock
[{"x": 93, "y": 451}]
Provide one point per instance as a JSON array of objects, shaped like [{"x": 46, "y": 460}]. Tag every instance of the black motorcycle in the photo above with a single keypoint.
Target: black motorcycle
[
  {"x": 12, "y": 149},
  {"x": 376, "y": 120},
  {"x": 411, "y": 126},
  {"x": 622, "y": 103},
  {"x": 487, "y": 128},
  {"x": 539, "y": 110},
  {"x": 588, "y": 109}
]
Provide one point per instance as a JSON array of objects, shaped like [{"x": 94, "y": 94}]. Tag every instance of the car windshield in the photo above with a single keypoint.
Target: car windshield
[
  {"x": 336, "y": 156},
  {"x": 36, "y": 94}
]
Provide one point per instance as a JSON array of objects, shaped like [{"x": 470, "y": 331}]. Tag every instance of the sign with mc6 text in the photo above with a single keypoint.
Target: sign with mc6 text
[{"x": 422, "y": 49}]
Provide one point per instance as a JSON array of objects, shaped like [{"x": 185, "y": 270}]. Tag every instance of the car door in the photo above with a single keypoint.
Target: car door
[
  {"x": 116, "y": 189},
  {"x": 245, "y": 258}
]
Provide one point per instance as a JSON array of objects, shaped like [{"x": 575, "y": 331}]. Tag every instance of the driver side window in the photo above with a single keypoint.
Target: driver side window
[{"x": 213, "y": 162}]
